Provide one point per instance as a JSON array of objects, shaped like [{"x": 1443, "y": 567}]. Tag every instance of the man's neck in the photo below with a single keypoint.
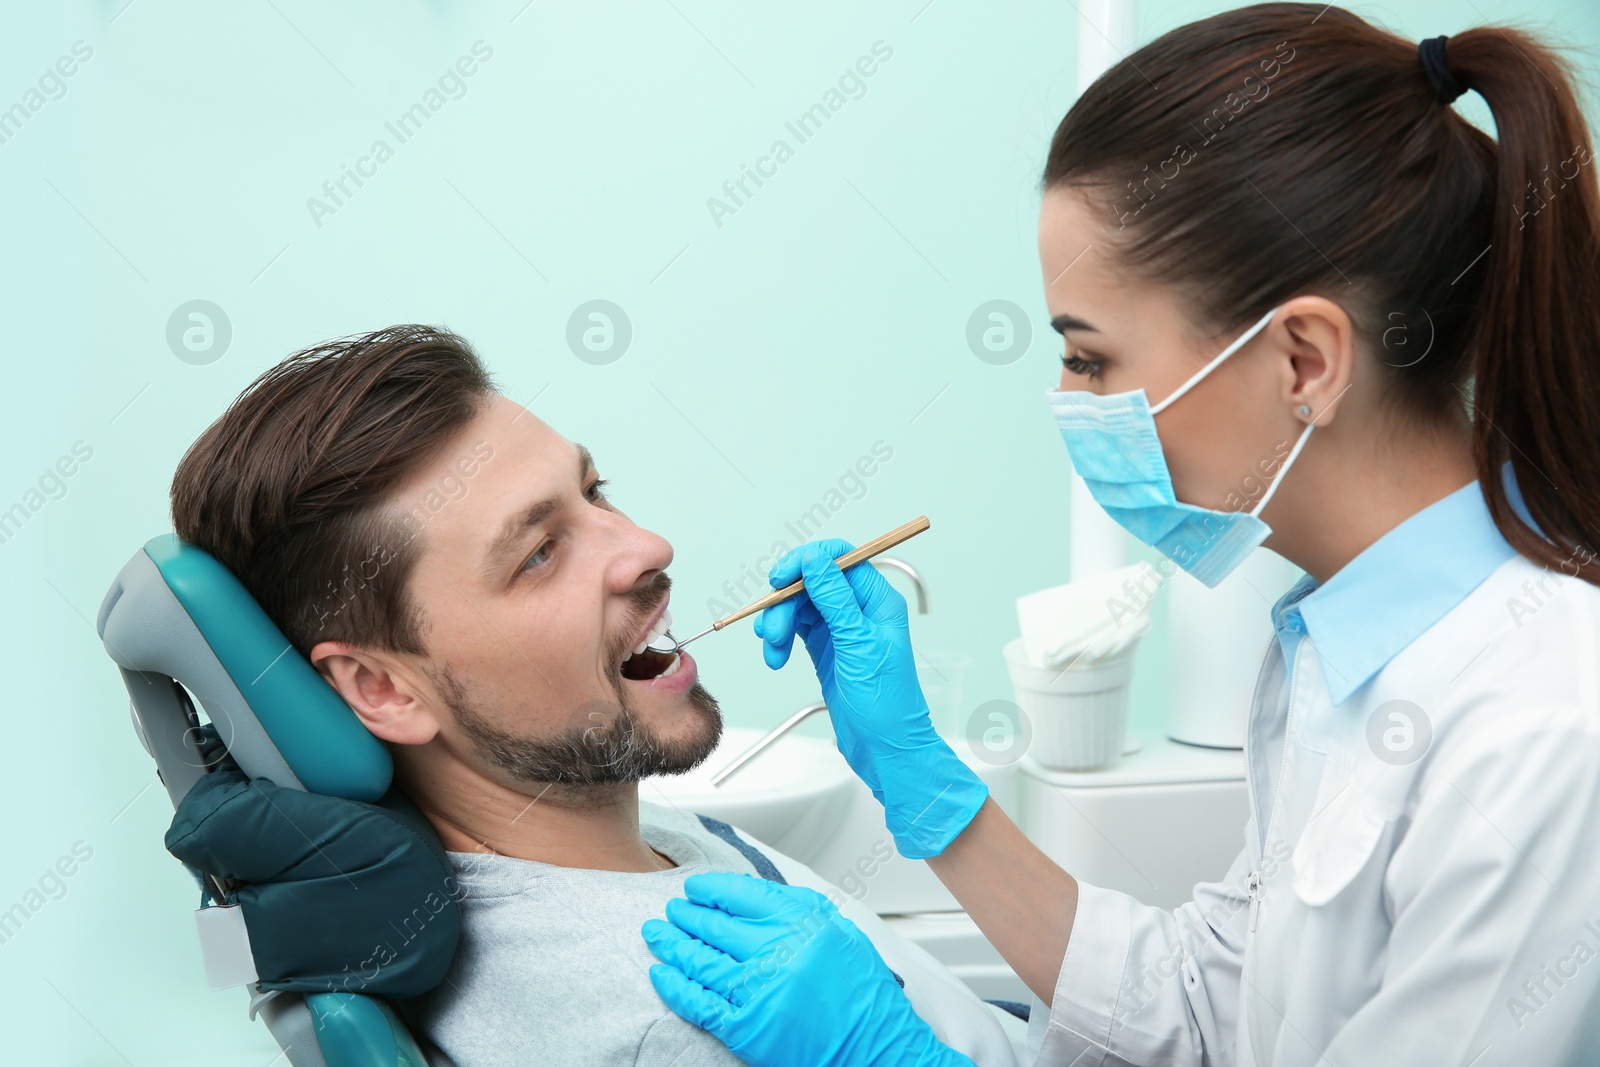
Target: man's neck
[{"x": 593, "y": 827}]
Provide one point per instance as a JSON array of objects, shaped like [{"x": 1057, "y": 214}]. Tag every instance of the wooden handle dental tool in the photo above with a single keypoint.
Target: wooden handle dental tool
[{"x": 846, "y": 561}]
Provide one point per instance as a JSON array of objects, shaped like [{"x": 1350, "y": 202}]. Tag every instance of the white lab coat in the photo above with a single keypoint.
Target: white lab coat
[{"x": 1444, "y": 910}]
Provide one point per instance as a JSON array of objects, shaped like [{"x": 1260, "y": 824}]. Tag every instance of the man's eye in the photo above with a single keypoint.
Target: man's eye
[
  {"x": 540, "y": 556},
  {"x": 1076, "y": 364}
]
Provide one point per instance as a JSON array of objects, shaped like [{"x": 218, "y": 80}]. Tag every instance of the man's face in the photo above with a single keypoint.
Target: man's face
[{"x": 533, "y": 589}]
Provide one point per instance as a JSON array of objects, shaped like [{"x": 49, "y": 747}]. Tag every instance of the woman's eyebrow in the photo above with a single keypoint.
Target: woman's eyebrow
[{"x": 1063, "y": 323}]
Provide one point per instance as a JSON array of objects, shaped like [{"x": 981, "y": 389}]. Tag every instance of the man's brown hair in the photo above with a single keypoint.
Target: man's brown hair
[{"x": 290, "y": 488}]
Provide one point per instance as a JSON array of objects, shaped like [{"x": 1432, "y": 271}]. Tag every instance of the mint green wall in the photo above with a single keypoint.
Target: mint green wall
[{"x": 771, "y": 347}]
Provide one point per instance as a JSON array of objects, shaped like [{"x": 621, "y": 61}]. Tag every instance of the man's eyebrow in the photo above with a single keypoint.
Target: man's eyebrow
[
  {"x": 517, "y": 526},
  {"x": 1062, "y": 323}
]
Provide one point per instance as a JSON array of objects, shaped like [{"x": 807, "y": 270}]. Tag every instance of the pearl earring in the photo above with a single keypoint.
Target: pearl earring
[{"x": 1303, "y": 410}]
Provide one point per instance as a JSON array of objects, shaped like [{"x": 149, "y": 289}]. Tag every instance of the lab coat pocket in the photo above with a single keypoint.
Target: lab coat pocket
[{"x": 1335, "y": 847}]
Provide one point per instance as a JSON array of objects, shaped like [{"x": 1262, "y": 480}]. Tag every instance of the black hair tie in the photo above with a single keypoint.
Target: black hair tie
[{"x": 1445, "y": 86}]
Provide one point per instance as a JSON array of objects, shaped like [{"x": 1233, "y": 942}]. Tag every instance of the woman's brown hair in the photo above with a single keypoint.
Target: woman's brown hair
[{"x": 1283, "y": 148}]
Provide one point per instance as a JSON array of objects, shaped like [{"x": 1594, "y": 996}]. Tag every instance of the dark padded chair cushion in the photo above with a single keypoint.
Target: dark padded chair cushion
[{"x": 338, "y": 895}]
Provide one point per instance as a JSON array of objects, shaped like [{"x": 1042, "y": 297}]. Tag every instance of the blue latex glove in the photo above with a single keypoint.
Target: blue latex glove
[
  {"x": 856, "y": 631},
  {"x": 779, "y": 976}
]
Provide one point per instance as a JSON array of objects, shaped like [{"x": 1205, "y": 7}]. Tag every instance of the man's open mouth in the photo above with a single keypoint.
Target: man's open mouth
[{"x": 645, "y": 662}]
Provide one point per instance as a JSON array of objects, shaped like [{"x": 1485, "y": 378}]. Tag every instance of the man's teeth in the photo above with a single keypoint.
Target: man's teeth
[
  {"x": 677, "y": 661},
  {"x": 661, "y": 627}
]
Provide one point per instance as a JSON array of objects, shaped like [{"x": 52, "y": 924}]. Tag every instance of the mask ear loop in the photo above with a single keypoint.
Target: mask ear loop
[
  {"x": 1288, "y": 461},
  {"x": 1244, "y": 339}
]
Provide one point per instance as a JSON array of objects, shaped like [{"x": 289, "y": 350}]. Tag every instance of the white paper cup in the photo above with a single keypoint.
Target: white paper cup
[
  {"x": 1078, "y": 715},
  {"x": 942, "y": 675}
]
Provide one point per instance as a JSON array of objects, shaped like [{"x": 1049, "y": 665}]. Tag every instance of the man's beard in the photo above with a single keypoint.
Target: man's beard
[{"x": 611, "y": 744}]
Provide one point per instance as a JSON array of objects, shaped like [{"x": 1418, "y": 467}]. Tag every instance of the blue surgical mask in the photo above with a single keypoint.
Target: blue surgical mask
[{"x": 1114, "y": 446}]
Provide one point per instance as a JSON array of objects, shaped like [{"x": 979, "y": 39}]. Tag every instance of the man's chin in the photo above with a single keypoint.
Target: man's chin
[
  {"x": 684, "y": 745},
  {"x": 608, "y": 743}
]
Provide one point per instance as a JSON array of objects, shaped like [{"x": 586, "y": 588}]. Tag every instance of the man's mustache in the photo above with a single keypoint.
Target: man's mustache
[{"x": 642, "y": 603}]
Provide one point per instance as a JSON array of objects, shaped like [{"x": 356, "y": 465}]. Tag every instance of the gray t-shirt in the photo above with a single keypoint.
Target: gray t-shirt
[{"x": 551, "y": 966}]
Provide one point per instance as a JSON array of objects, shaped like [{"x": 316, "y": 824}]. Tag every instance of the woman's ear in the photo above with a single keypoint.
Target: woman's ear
[
  {"x": 1320, "y": 339},
  {"x": 377, "y": 691}
]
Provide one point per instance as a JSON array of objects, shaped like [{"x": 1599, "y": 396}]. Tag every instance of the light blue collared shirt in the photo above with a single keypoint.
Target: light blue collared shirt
[{"x": 1395, "y": 589}]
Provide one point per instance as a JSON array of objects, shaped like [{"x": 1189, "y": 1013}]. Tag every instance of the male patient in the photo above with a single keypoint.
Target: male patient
[{"x": 452, "y": 566}]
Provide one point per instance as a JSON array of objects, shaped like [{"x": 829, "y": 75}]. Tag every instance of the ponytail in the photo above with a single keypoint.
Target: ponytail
[{"x": 1536, "y": 349}]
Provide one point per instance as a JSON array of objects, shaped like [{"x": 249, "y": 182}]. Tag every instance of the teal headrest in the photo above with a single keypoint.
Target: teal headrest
[{"x": 311, "y": 726}]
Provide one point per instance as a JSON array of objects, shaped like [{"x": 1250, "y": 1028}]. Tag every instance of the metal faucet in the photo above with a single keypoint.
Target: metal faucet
[
  {"x": 809, "y": 710},
  {"x": 910, "y": 572},
  {"x": 760, "y": 746}
]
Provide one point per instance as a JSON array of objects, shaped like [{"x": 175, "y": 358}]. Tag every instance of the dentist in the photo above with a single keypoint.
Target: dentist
[{"x": 1272, "y": 246}]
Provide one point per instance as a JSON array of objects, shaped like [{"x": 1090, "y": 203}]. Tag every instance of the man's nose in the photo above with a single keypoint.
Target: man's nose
[{"x": 638, "y": 555}]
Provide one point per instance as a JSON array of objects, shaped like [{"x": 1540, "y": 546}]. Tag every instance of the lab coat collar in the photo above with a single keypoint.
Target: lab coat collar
[{"x": 1395, "y": 589}]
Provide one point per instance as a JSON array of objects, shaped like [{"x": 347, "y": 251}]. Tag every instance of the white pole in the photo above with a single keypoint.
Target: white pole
[{"x": 1107, "y": 31}]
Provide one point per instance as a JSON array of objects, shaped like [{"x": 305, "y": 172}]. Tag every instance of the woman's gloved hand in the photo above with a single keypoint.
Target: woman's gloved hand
[
  {"x": 856, "y": 631},
  {"x": 779, "y": 976}
]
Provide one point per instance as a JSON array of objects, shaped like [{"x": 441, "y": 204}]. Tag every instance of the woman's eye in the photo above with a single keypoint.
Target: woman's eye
[{"x": 1076, "y": 364}]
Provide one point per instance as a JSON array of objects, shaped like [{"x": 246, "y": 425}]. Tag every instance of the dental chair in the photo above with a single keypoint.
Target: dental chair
[{"x": 176, "y": 621}]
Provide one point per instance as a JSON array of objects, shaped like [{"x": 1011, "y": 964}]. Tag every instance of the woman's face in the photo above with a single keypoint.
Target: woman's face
[{"x": 1223, "y": 438}]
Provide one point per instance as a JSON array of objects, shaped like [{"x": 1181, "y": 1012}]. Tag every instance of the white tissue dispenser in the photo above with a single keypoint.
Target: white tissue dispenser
[
  {"x": 1072, "y": 665},
  {"x": 1215, "y": 637},
  {"x": 1077, "y": 716}
]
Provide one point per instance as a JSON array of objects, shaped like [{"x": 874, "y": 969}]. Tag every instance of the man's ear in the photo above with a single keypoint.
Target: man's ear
[
  {"x": 381, "y": 692},
  {"x": 1322, "y": 351}
]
